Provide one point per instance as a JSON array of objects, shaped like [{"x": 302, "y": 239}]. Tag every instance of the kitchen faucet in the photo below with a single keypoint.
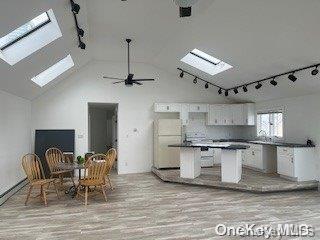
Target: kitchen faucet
[{"x": 264, "y": 134}]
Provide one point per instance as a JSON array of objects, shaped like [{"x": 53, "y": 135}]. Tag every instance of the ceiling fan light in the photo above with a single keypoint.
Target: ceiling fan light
[{"x": 273, "y": 82}]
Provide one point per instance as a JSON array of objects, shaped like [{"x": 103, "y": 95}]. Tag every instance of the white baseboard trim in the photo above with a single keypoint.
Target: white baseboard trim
[{"x": 10, "y": 192}]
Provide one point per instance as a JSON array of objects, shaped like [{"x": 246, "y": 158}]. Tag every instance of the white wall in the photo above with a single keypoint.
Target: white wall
[
  {"x": 301, "y": 119},
  {"x": 65, "y": 106},
  {"x": 15, "y": 138}
]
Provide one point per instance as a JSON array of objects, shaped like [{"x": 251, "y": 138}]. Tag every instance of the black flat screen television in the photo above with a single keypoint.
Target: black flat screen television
[{"x": 45, "y": 139}]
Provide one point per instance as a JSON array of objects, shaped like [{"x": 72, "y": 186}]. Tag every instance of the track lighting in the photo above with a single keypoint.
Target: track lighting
[
  {"x": 181, "y": 74},
  {"x": 292, "y": 77},
  {"x": 220, "y": 91},
  {"x": 259, "y": 85},
  {"x": 245, "y": 89},
  {"x": 82, "y": 45},
  {"x": 273, "y": 82},
  {"x": 235, "y": 90},
  {"x": 80, "y": 32},
  {"x": 226, "y": 93},
  {"x": 315, "y": 71},
  {"x": 206, "y": 85},
  {"x": 195, "y": 80},
  {"x": 75, "y": 7}
]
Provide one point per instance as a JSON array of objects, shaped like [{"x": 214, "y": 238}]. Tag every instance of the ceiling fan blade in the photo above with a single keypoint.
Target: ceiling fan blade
[
  {"x": 137, "y": 83},
  {"x": 119, "y": 82},
  {"x": 140, "y": 80},
  {"x": 114, "y": 78}
]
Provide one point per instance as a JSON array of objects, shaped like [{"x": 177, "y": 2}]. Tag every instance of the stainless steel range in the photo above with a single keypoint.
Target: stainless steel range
[{"x": 207, "y": 154}]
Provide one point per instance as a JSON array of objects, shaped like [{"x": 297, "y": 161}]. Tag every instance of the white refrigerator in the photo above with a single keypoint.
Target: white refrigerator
[{"x": 166, "y": 132}]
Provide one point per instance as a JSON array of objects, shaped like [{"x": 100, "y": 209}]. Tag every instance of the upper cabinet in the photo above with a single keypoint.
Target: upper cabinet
[
  {"x": 200, "y": 108},
  {"x": 167, "y": 107},
  {"x": 231, "y": 114},
  {"x": 217, "y": 114}
]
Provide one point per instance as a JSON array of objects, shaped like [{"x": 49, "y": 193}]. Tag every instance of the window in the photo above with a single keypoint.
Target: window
[
  {"x": 270, "y": 124},
  {"x": 54, "y": 71},
  {"x": 205, "y": 62},
  {"x": 24, "y": 30}
]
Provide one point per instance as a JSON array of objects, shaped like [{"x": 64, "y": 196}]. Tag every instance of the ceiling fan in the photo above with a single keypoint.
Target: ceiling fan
[{"x": 129, "y": 81}]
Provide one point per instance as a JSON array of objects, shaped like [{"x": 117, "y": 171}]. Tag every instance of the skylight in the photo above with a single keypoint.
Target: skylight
[
  {"x": 29, "y": 38},
  {"x": 205, "y": 62},
  {"x": 54, "y": 71},
  {"x": 24, "y": 30}
]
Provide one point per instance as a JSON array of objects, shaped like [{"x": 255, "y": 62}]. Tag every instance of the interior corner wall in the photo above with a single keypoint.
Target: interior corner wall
[
  {"x": 65, "y": 106},
  {"x": 15, "y": 138}
]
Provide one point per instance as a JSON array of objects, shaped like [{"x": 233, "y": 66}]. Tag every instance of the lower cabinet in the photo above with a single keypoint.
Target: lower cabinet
[
  {"x": 297, "y": 163},
  {"x": 260, "y": 157}
]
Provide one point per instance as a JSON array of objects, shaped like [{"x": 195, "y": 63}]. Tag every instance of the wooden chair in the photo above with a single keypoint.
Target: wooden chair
[
  {"x": 34, "y": 171},
  {"x": 94, "y": 175},
  {"x": 53, "y": 157},
  {"x": 111, "y": 157}
]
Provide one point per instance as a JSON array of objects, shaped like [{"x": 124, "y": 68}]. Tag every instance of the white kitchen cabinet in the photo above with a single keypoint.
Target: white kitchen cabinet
[
  {"x": 260, "y": 157},
  {"x": 200, "y": 108},
  {"x": 248, "y": 114},
  {"x": 167, "y": 107},
  {"x": 237, "y": 112},
  {"x": 214, "y": 116},
  {"x": 184, "y": 114},
  {"x": 297, "y": 163}
]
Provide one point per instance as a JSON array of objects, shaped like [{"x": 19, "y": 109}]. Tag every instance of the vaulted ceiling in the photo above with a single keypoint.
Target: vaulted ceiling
[{"x": 258, "y": 38}]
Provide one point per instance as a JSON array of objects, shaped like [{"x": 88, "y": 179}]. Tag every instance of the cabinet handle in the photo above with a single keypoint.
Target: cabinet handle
[
  {"x": 232, "y": 120},
  {"x": 215, "y": 121},
  {"x": 167, "y": 107},
  {"x": 246, "y": 120},
  {"x": 225, "y": 121},
  {"x": 198, "y": 107},
  {"x": 252, "y": 153},
  {"x": 291, "y": 160}
]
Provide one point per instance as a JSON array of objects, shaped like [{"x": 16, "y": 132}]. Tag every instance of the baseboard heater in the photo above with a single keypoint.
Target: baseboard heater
[{"x": 10, "y": 192}]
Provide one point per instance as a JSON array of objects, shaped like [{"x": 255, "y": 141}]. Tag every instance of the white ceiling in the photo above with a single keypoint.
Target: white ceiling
[{"x": 259, "y": 38}]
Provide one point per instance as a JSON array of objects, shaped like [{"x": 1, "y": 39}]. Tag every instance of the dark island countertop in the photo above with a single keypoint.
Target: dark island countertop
[
  {"x": 277, "y": 144},
  {"x": 227, "y": 147}
]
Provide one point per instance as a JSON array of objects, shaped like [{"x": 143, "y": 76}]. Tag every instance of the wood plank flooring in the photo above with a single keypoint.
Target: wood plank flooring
[
  {"x": 144, "y": 207},
  {"x": 252, "y": 181}
]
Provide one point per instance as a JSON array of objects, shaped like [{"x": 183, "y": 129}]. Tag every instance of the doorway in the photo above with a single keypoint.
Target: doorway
[{"x": 103, "y": 127}]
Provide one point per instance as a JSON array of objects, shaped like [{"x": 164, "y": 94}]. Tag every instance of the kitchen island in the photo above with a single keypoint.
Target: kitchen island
[{"x": 231, "y": 165}]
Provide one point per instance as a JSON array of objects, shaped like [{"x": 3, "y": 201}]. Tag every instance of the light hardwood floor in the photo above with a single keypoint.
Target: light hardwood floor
[{"x": 144, "y": 207}]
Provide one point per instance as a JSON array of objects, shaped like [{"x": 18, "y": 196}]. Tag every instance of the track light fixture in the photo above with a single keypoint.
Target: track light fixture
[
  {"x": 220, "y": 91},
  {"x": 290, "y": 74},
  {"x": 235, "y": 90},
  {"x": 273, "y": 82},
  {"x": 315, "y": 71},
  {"x": 206, "y": 86},
  {"x": 181, "y": 74},
  {"x": 80, "y": 32},
  {"x": 82, "y": 45},
  {"x": 292, "y": 77},
  {"x": 259, "y": 85},
  {"x": 245, "y": 89},
  {"x": 226, "y": 93},
  {"x": 75, "y": 7},
  {"x": 195, "y": 80}
]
